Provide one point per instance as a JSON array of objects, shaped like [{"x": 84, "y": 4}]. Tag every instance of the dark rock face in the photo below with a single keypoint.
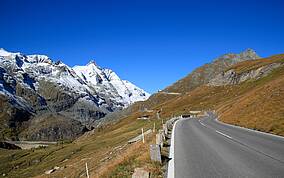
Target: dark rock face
[
  {"x": 12, "y": 118},
  {"x": 53, "y": 127}
]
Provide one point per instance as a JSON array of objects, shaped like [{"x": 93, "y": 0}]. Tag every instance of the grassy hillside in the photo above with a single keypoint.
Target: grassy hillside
[{"x": 262, "y": 107}]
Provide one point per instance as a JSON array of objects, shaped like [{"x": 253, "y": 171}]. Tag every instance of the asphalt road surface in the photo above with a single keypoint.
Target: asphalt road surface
[{"x": 208, "y": 148}]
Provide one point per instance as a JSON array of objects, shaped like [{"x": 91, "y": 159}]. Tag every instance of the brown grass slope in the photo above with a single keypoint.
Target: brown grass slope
[{"x": 262, "y": 107}]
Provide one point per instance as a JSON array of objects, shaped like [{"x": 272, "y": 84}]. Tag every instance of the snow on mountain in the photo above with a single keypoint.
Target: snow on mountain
[
  {"x": 79, "y": 78},
  {"x": 37, "y": 86},
  {"x": 105, "y": 80}
]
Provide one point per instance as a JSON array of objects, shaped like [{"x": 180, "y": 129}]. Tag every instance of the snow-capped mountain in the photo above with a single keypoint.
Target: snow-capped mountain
[
  {"x": 105, "y": 81},
  {"x": 49, "y": 94}
]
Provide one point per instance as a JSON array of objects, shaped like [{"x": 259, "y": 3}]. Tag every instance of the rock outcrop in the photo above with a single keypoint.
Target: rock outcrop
[{"x": 231, "y": 77}]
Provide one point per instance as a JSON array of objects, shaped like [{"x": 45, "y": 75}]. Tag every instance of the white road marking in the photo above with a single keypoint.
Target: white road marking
[
  {"x": 202, "y": 124},
  {"x": 225, "y": 135},
  {"x": 171, "y": 165}
]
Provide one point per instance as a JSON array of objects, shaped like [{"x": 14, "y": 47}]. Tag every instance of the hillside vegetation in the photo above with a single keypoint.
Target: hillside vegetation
[{"x": 106, "y": 151}]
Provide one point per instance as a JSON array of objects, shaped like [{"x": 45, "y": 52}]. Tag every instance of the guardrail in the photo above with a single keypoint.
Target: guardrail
[{"x": 161, "y": 137}]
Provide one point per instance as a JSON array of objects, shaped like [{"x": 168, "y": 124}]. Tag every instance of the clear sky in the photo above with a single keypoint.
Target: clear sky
[{"x": 151, "y": 43}]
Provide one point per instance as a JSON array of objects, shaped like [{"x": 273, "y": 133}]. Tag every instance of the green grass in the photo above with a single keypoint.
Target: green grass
[{"x": 124, "y": 169}]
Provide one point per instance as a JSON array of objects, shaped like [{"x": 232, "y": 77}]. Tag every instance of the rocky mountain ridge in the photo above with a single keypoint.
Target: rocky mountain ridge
[
  {"x": 207, "y": 72},
  {"x": 44, "y": 100}
]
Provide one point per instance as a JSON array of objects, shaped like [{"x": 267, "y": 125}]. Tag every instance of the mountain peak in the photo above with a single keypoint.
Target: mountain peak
[
  {"x": 92, "y": 62},
  {"x": 249, "y": 54}
]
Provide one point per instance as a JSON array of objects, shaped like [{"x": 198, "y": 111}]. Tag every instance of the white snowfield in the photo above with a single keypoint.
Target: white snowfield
[{"x": 85, "y": 80}]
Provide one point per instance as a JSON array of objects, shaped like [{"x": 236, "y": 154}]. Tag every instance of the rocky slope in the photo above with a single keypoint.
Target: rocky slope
[
  {"x": 205, "y": 73},
  {"x": 45, "y": 100},
  {"x": 231, "y": 77}
]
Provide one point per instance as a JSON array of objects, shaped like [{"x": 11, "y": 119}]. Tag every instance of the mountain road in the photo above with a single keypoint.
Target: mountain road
[{"x": 208, "y": 148}]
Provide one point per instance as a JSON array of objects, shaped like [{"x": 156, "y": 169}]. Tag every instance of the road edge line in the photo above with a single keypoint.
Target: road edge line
[
  {"x": 171, "y": 165},
  {"x": 247, "y": 129}
]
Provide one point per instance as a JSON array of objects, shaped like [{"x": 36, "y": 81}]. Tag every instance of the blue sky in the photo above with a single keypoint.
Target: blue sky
[{"x": 152, "y": 43}]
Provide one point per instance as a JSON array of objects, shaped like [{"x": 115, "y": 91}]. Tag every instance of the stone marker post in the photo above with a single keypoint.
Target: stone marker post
[
  {"x": 162, "y": 138},
  {"x": 155, "y": 153}
]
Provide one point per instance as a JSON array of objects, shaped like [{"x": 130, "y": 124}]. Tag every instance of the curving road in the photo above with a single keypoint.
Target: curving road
[{"x": 208, "y": 148}]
